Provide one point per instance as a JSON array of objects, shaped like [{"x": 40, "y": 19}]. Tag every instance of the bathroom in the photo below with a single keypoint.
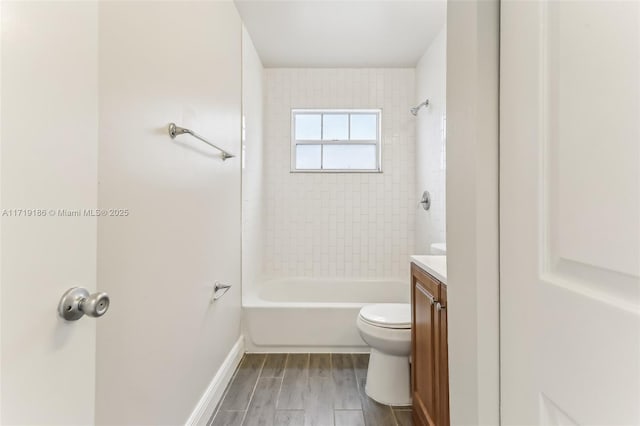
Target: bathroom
[
  {"x": 323, "y": 237},
  {"x": 318, "y": 212}
]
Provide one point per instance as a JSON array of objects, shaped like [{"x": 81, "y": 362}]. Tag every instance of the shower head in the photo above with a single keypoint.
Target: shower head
[{"x": 416, "y": 108}]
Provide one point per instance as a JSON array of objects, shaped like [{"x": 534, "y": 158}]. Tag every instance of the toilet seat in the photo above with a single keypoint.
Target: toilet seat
[{"x": 387, "y": 315}]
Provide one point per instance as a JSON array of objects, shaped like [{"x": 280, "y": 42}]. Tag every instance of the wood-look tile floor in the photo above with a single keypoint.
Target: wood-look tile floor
[{"x": 303, "y": 390}]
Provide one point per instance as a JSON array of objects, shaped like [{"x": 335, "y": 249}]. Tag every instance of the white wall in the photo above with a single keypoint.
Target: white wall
[
  {"x": 431, "y": 82},
  {"x": 49, "y": 161},
  {"x": 252, "y": 164},
  {"x": 161, "y": 342},
  {"x": 472, "y": 210},
  {"x": 340, "y": 224}
]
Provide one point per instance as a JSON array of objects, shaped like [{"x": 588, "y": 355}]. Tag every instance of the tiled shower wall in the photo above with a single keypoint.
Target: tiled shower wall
[
  {"x": 431, "y": 83},
  {"x": 351, "y": 225},
  {"x": 252, "y": 163}
]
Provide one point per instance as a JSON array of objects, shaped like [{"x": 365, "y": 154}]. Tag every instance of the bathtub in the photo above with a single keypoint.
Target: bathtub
[{"x": 313, "y": 315}]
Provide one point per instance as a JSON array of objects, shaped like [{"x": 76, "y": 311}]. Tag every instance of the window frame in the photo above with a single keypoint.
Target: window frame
[{"x": 327, "y": 111}]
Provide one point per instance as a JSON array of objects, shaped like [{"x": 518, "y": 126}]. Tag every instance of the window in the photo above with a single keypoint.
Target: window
[{"x": 335, "y": 140}]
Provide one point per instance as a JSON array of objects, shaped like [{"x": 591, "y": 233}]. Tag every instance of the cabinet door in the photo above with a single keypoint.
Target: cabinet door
[
  {"x": 423, "y": 372},
  {"x": 442, "y": 358}
]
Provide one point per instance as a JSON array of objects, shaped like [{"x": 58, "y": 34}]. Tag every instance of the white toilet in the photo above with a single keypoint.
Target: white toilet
[{"x": 386, "y": 328}]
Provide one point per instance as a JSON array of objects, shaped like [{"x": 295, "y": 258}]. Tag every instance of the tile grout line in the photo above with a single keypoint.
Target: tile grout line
[
  {"x": 393, "y": 414},
  {"x": 358, "y": 386},
  {"x": 308, "y": 376},
  {"x": 224, "y": 394},
  {"x": 284, "y": 370},
  {"x": 333, "y": 400},
  {"x": 255, "y": 385},
  {"x": 361, "y": 392}
]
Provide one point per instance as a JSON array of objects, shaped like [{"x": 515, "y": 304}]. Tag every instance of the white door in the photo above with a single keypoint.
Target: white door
[
  {"x": 48, "y": 157},
  {"x": 569, "y": 212}
]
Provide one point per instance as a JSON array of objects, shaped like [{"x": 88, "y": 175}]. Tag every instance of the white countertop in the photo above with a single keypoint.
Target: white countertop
[{"x": 435, "y": 265}]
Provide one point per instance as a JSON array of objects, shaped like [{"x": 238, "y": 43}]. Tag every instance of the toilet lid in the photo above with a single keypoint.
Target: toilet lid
[{"x": 387, "y": 315}]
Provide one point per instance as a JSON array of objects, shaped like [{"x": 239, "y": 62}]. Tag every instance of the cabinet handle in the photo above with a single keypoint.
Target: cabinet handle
[
  {"x": 440, "y": 307},
  {"x": 424, "y": 291},
  {"x": 432, "y": 299}
]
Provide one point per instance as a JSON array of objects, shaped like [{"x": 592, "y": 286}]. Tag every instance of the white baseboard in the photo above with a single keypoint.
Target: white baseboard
[{"x": 211, "y": 396}]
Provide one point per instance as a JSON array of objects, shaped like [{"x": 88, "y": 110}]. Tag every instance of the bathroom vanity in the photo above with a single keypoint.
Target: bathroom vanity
[{"x": 429, "y": 354}]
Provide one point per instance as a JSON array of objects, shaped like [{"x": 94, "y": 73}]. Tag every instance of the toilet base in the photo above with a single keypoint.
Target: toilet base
[{"x": 388, "y": 379}]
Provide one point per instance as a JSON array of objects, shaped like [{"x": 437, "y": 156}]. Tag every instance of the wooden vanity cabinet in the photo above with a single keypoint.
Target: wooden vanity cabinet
[{"x": 429, "y": 354}]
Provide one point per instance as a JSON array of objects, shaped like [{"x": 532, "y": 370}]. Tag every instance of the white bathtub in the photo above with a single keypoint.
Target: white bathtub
[{"x": 311, "y": 315}]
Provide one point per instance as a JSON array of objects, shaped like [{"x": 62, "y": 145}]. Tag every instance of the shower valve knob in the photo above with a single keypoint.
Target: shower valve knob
[
  {"x": 77, "y": 302},
  {"x": 426, "y": 200}
]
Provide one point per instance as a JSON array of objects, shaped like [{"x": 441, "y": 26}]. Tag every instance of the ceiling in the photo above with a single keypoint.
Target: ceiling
[{"x": 329, "y": 33}]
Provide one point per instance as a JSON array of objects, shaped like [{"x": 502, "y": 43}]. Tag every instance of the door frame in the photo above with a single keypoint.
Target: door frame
[
  {"x": 472, "y": 107},
  {"x": 1, "y": 207},
  {"x": 473, "y": 63}
]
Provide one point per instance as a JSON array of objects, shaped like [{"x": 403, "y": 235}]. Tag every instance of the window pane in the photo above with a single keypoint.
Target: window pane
[
  {"x": 364, "y": 127},
  {"x": 308, "y": 157},
  {"x": 335, "y": 127},
  {"x": 308, "y": 126},
  {"x": 349, "y": 157}
]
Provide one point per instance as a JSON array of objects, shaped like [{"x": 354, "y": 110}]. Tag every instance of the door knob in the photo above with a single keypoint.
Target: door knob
[{"x": 77, "y": 302}]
